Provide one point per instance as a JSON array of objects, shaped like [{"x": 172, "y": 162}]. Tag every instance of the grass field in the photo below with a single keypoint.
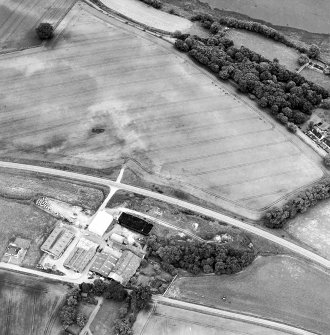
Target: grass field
[
  {"x": 18, "y": 19},
  {"x": 278, "y": 287},
  {"x": 153, "y": 105},
  {"x": 105, "y": 317},
  {"x": 302, "y": 14},
  {"x": 313, "y": 228},
  {"x": 29, "y": 305},
  {"x": 265, "y": 47},
  {"x": 169, "y": 320}
]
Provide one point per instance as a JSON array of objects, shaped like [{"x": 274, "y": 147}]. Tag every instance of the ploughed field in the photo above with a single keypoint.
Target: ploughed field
[
  {"x": 104, "y": 91},
  {"x": 28, "y": 305},
  {"x": 18, "y": 19}
]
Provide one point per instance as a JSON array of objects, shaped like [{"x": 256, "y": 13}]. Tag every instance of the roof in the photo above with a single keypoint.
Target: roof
[
  {"x": 126, "y": 266},
  {"x": 103, "y": 263},
  {"x": 81, "y": 255},
  {"x": 22, "y": 243},
  {"x": 12, "y": 250},
  {"x": 100, "y": 223},
  {"x": 134, "y": 223},
  {"x": 57, "y": 241},
  {"x": 118, "y": 238}
]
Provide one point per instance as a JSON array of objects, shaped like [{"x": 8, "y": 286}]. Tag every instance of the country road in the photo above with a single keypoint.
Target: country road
[
  {"x": 184, "y": 204},
  {"x": 231, "y": 315}
]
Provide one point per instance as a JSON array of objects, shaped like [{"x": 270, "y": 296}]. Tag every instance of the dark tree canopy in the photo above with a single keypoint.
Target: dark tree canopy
[{"x": 45, "y": 31}]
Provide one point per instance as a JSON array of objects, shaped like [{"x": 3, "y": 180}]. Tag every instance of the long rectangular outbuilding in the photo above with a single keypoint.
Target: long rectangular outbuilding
[
  {"x": 135, "y": 223},
  {"x": 57, "y": 242}
]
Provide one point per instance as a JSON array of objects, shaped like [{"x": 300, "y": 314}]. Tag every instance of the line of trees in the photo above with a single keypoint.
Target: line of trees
[
  {"x": 198, "y": 257},
  {"x": 277, "y": 217},
  {"x": 154, "y": 3},
  {"x": 289, "y": 95},
  {"x": 208, "y": 22}
]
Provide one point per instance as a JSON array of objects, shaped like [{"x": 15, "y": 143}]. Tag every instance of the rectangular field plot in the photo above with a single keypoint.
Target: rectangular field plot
[
  {"x": 153, "y": 106},
  {"x": 168, "y": 320},
  {"x": 28, "y": 304},
  {"x": 19, "y": 18}
]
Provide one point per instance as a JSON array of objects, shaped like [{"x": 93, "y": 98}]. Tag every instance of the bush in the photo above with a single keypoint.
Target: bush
[
  {"x": 326, "y": 160},
  {"x": 325, "y": 104},
  {"x": 45, "y": 31},
  {"x": 291, "y": 127}
]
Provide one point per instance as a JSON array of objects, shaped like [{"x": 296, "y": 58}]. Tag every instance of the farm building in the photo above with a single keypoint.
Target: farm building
[
  {"x": 100, "y": 223},
  {"x": 16, "y": 251},
  {"x": 104, "y": 263},
  {"x": 57, "y": 242},
  {"x": 126, "y": 267},
  {"x": 81, "y": 255},
  {"x": 117, "y": 238},
  {"x": 134, "y": 223}
]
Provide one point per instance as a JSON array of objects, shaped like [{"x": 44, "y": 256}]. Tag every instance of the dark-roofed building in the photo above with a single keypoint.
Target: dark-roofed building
[
  {"x": 126, "y": 267},
  {"x": 57, "y": 242},
  {"x": 103, "y": 264},
  {"x": 81, "y": 255},
  {"x": 134, "y": 223}
]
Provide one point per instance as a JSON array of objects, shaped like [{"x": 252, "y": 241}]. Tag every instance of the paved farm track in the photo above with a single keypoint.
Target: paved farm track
[
  {"x": 153, "y": 105},
  {"x": 18, "y": 18}
]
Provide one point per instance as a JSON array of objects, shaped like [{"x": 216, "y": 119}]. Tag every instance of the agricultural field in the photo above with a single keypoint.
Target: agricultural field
[
  {"x": 152, "y": 106},
  {"x": 170, "y": 320},
  {"x": 265, "y": 47},
  {"x": 316, "y": 77},
  {"x": 105, "y": 317},
  {"x": 313, "y": 229},
  {"x": 280, "y": 288},
  {"x": 29, "y": 303},
  {"x": 302, "y": 14},
  {"x": 19, "y": 217},
  {"x": 19, "y": 18},
  {"x": 148, "y": 15}
]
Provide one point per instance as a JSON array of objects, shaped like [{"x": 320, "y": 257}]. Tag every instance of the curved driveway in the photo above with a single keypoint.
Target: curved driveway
[{"x": 184, "y": 204}]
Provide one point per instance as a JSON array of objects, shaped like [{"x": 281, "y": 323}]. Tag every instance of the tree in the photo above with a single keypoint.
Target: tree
[
  {"x": 181, "y": 45},
  {"x": 326, "y": 160},
  {"x": 314, "y": 51},
  {"x": 81, "y": 319},
  {"x": 45, "y": 31},
  {"x": 303, "y": 59},
  {"x": 68, "y": 315},
  {"x": 122, "y": 327}
]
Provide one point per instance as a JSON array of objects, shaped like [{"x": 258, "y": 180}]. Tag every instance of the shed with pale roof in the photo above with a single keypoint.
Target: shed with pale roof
[{"x": 100, "y": 223}]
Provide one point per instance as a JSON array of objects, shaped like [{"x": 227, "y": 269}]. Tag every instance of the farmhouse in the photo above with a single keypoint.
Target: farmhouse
[
  {"x": 100, "y": 223},
  {"x": 104, "y": 263},
  {"x": 81, "y": 255},
  {"x": 134, "y": 223},
  {"x": 125, "y": 267},
  {"x": 57, "y": 242}
]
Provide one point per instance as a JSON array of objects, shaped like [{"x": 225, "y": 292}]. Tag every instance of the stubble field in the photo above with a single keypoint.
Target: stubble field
[
  {"x": 29, "y": 305},
  {"x": 152, "y": 105}
]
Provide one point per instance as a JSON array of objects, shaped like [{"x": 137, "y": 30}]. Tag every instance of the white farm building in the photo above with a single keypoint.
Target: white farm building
[{"x": 100, "y": 223}]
